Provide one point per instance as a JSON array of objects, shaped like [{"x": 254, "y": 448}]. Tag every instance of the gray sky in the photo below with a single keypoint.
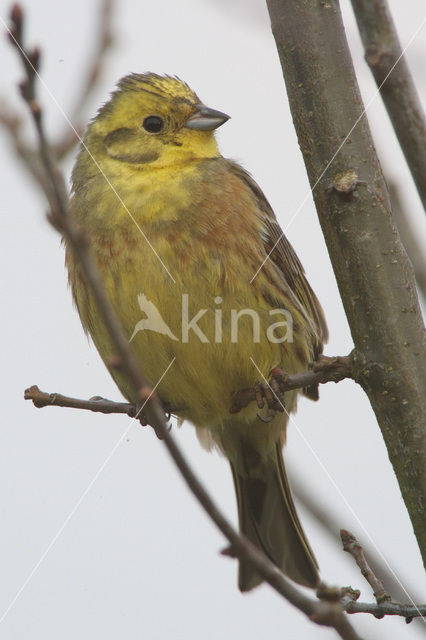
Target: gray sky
[{"x": 125, "y": 550}]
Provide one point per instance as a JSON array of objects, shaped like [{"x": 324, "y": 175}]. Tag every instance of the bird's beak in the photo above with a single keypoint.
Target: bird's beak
[{"x": 206, "y": 119}]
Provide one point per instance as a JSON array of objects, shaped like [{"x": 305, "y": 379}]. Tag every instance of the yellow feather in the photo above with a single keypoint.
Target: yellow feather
[{"x": 173, "y": 226}]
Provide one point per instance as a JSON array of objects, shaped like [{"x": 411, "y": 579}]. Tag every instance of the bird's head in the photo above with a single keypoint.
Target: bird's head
[{"x": 154, "y": 120}]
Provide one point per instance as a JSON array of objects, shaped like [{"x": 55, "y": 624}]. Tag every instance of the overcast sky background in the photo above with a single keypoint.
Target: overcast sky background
[{"x": 138, "y": 558}]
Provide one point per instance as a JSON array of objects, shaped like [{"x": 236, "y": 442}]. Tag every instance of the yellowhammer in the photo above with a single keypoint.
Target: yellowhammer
[{"x": 178, "y": 233}]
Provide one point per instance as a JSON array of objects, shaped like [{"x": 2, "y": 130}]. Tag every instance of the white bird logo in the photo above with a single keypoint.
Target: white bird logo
[{"x": 153, "y": 321}]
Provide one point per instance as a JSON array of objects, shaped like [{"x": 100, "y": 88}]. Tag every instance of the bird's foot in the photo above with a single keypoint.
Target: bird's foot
[
  {"x": 271, "y": 392},
  {"x": 140, "y": 416}
]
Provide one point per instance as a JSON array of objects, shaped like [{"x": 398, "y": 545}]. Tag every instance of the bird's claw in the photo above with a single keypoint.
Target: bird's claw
[
  {"x": 141, "y": 416},
  {"x": 271, "y": 392}
]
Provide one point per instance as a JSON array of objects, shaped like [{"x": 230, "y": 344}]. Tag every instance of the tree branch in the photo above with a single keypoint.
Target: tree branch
[
  {"x": 331, "y": 524},
  {"x": 67, "y": 139},
  {"x": 97, "y": 404},
  {"x": 384, "y": 57},
  {"x": 352, "y": 546},
  {"x": 326, "y": 369},
  {"x": 374, "y": 276},
  {"x": 407, "y": 611},
  {"x": 60, "y": 218},
  {"x": 385, "y": 605},
  {"x": 415, "y": 250}
]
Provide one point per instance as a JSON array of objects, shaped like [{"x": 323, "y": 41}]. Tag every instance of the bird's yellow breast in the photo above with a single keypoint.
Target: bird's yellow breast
[{"x": 172, "y": 244}]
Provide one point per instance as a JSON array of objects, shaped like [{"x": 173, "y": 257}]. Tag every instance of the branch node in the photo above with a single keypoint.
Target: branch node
[
  {"x": 345, "y": 182},
  {"x": 352, "y": 546},
  {"x": 349, "y": 593}
]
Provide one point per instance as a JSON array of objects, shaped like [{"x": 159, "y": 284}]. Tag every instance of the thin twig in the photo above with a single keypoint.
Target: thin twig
[
  {"x": 42, "y": 399},
  {"x": 385, "y": 605},
  {"x": 68, "y": 139},
  {"x": 326, "y": 369},
  {"x": 407, "y": 611},
  {"x": 321, "y": 612},
  {"x": 384, "y": 57},
  {"x": 62, "y": 221},
  {"x": 331, "y": 523},
  {"x": 352, "y": 546},
  {"x": 97, "y": 404}
]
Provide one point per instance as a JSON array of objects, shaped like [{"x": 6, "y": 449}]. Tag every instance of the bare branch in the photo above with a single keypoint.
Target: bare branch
[
  {"x": 97, "y": 404},
  {"x": 384, "y": 57},
  {"x": 352, "y": 546},
  {"x": 326, "y": 369},
  {"x": 67, "y": 140},
  {"x": 331, "y": 524},
  {"x": 328, "y": 613},
  {"x": 407, "y": 611},
  {"x": 63, "y": 222},
  {"x": 29, "y": 157},
  {"x": 385, "y": 606},
  {"x": 416, "y": 252}
]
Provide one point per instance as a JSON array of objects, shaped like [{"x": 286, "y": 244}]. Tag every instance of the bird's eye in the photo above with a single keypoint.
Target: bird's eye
[{"x": 153, "y": 124}]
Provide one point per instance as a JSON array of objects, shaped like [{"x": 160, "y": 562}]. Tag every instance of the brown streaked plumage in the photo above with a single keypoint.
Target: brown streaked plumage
[{"x": 212, "y": 227}]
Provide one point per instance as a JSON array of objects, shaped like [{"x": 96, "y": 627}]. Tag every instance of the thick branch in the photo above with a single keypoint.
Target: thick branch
[
  {"x": 373, "y": 273},
  {"x": 384, "y": 57}
]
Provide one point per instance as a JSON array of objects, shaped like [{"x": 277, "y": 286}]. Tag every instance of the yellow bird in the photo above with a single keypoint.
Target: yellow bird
[{"x": 179, "y": 234}]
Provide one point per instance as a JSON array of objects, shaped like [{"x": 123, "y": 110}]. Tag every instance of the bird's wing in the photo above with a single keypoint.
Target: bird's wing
[{"x": 284, "y": 257}]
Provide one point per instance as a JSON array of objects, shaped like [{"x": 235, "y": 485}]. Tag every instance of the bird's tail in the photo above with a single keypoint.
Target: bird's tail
[{"x": 268, "y": 517}]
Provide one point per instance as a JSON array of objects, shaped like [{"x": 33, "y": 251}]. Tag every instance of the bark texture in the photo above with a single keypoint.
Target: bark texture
[
  {"x": 383, "y": 55},
  {"x": 374, "y": 276}
]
